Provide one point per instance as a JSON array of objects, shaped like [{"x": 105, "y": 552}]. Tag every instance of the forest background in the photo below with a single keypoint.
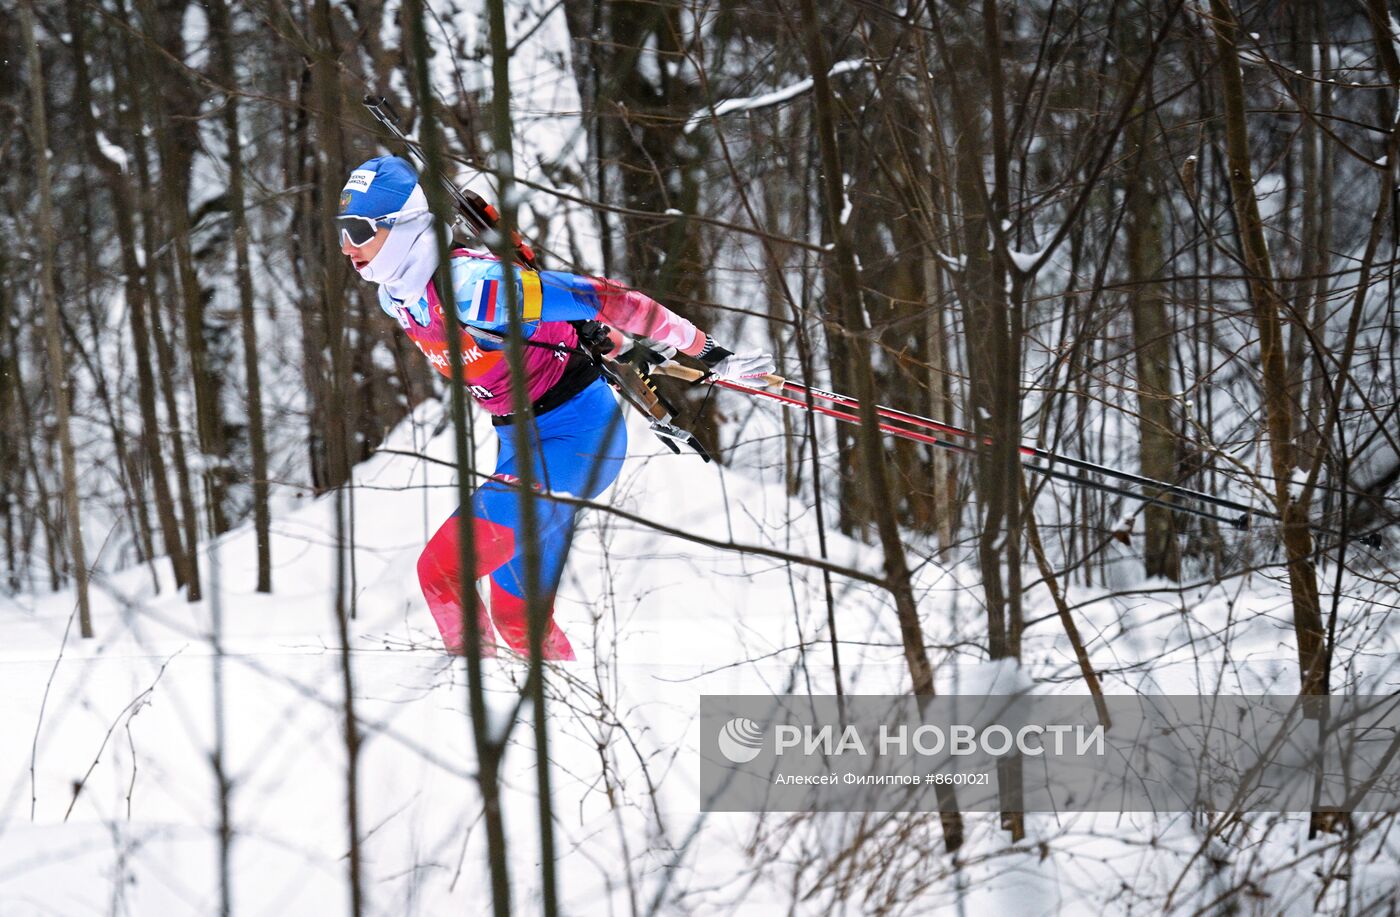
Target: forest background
[{"x": 1160, "y": 236}]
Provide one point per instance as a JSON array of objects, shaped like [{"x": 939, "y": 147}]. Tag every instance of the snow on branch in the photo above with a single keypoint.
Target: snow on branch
[
  {"x": 1025, "y": 261},
  {"x": 112, "y": 152},
  {"x": 768, "y": 99}
]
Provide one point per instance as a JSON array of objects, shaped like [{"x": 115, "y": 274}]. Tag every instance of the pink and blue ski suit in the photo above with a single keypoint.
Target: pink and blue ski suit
[{"x": 577, "y": 436}]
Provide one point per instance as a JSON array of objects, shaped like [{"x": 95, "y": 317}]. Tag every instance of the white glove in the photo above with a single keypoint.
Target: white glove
[{"x": 738, "y": 367}]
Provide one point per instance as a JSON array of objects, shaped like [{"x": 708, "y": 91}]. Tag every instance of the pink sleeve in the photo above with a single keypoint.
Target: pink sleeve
[{"x": 641, "y": 316}]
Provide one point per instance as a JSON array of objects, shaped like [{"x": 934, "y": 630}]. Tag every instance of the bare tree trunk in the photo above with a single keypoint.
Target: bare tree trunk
[
  {"x": 34, "y": 514},
  {"x": 315, "y": 339},
  {"x": 12, "y": 434},
  {"x": 325, "y": 78},
  {"x": 1302, "y": 181},
  {"x": 537, "y": 603},
  {"x": 220, "y": 28},
  {"x": 128, "y": 474},
  {"x": 945, "y": 478},
  {"x": 992, "y": 329},
  {"x": 936, "y": 203},
  {"x": 58, "y": 378},
  {"x": 123, "y": 206},
  {"x": 585, "y": 23},
  {"x": 175, "y": 144},
  {"x": 776, "y": 255},
  {"x": 128, "y": 471},
  {"x": 165, "y": 359},
  {"x": 845, "y": 274},
  {"x": 30, "y": 463},
  {"x": 982, "y": 292},
  {"x": 490, "y": 749},
  {"x": 1152, "y": 346},
  {"x": 1268, "y": 304},
  {"x": 1318, "y": 162}
]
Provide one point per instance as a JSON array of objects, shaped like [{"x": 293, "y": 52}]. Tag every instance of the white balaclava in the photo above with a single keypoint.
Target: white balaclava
[{"x": 410, "y": 254}]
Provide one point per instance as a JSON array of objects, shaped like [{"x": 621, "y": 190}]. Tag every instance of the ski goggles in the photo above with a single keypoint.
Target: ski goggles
[{"x": 358, "y": 230}]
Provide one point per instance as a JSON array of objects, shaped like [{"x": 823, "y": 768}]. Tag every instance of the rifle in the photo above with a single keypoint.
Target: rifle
[{"x": 480, "y": 218}]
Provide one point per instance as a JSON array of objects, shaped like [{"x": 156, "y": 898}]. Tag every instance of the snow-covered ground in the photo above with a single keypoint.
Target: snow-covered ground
[
  {"x": 130, "y": 717},
  {"x": 655, "y": 621}
]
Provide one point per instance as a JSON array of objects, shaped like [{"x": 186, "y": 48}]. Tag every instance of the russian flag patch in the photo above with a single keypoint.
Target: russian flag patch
[
  {"x": 484, "y": 302},
  {"x": 488, "y": 302}
]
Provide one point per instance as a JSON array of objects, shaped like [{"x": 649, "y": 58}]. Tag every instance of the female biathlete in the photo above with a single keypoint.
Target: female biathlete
[{"x": 577, "y": 436}]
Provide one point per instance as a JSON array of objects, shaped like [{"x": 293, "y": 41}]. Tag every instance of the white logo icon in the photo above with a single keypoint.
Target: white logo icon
[{"x": 741, "y": 740}]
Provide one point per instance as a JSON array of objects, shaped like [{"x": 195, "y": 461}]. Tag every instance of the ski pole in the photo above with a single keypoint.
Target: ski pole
[
  {"x": 1371, "y": 539},
  {"x": 1028, "y": 451},
  {"x": 1239, "y": 522}
]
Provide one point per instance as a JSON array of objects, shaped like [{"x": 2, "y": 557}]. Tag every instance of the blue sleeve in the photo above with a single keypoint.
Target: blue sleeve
[{"x": 550, "y": 296}]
